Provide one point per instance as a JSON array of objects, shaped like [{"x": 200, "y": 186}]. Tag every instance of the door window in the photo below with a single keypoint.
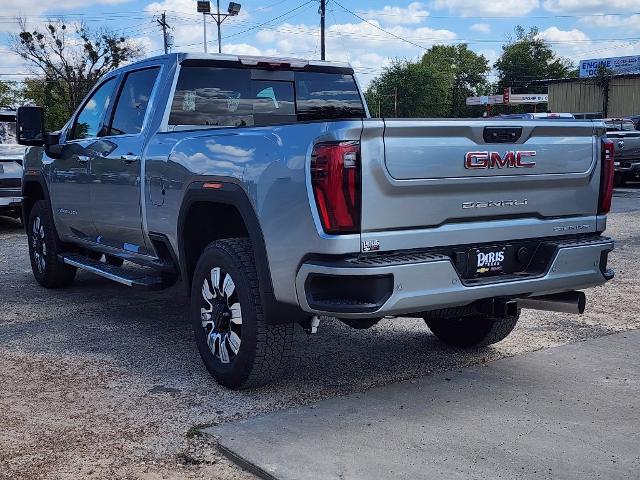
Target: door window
[
  {"x": 89, "y": 122},
  {"x": 130, "y": 111}
]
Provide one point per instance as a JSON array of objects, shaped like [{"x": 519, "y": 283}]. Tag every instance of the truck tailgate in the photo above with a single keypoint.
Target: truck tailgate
[{"x": 452, "y": 175}]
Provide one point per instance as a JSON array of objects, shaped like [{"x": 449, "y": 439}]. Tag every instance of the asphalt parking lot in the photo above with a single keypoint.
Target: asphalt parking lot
[{"x": 97, "y": 381}]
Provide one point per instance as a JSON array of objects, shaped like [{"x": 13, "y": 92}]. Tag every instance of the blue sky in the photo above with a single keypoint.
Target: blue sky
[{"x": 366, "y": 33}]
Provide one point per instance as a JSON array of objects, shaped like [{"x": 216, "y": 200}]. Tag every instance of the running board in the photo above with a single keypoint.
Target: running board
[{"x": 145, "y": 279}]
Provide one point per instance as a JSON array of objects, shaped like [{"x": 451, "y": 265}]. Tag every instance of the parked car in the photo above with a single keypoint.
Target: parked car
[
  {"x": 626, "y": 140},
  {"x": 531, "y": 116},
  {"x": 266, "y": 187},
  {"x": 636, "y": 121},
  {"x": 10, "y": 165}
]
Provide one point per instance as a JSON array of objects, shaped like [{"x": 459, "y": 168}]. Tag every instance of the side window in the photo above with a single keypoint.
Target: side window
[
  {"x": 133, "y": 101},
  {"x": 89, "y": 122}
]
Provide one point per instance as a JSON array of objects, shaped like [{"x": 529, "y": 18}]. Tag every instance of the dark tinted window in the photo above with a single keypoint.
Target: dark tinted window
[
  {"x": 228, "y": 97},
  {"x": 327, "y": 95},
  {"x": 89, "y": 122},
  {"x": 133, "y": 102}
]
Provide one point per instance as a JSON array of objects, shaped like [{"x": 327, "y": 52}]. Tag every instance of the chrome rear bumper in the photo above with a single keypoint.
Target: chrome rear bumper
[{"x": 433, "y": 282}]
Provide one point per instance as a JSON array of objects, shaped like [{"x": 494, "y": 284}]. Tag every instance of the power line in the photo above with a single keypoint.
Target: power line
[{"x": 498, "y": 17}]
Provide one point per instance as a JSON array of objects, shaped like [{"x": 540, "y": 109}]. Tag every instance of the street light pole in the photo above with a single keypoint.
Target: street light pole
[
  {"x": 204, "y": 30},
  {"x": 322, "y": 15},
  {"x": 219, "y": 34}
]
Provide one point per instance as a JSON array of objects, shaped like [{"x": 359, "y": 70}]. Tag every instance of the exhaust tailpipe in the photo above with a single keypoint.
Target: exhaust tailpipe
[{"x": 566, "y": 302}]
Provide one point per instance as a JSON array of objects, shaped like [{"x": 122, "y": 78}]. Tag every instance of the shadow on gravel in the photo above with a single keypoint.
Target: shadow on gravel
[{"x": 10, "y": 225}]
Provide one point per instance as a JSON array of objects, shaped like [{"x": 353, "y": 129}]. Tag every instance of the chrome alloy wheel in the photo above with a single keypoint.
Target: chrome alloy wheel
[
  {"x": 38, "y": 245},
  {"x": 221, "y": 315}
]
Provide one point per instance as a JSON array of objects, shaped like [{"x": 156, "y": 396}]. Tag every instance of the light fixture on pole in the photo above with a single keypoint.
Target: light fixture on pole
[{"x": 232, "y": 11}]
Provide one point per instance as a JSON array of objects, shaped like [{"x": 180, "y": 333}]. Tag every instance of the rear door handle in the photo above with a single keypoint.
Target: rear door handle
[
  {"x": 129, "y": 158},
  {"x": 82, "y": 158}
]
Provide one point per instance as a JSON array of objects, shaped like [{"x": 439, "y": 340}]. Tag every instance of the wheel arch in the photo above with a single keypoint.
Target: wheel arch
[
  {"x": 34, "y": 188},
  {"x": 230, "y": 201}
]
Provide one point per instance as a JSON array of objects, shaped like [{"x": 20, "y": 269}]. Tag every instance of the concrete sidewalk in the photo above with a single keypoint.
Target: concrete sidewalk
[{"x": 571, "y": 412}]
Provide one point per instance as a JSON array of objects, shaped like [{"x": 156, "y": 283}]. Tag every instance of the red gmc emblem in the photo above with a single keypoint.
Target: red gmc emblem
[{"x": 511, "y": 159}]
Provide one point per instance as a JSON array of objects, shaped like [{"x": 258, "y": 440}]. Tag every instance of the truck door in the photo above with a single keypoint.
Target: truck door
[
  {"x": 115, "y": 188},
  {"x": 70, "y": 176}
]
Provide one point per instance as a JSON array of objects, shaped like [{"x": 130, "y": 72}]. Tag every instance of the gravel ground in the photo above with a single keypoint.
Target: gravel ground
[{"x": 101, "y": 382}]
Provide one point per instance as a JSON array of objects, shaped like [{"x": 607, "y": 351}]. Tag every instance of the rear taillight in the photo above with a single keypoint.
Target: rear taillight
[
  {"x": 335, "y": 178},
  {"x": 606, "y": 177}
]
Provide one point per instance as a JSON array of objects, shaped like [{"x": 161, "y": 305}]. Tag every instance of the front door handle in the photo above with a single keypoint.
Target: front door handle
[
  {"x": 129, "y": 158},
  {"x": 81, "y": 158}
]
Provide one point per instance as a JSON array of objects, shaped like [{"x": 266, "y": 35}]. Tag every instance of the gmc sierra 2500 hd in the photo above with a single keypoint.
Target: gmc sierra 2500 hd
[{"x": 264, "y": 185}]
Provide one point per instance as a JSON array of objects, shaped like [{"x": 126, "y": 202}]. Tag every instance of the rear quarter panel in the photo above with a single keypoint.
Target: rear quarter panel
[{"x": 271, "y": 165}]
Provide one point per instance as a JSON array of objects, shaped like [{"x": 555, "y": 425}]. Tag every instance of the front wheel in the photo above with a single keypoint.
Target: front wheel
[
  {"x": 44, "y": 247},
  {"x": 474, "y": 330},
  {"x": 238, "y": 347}
]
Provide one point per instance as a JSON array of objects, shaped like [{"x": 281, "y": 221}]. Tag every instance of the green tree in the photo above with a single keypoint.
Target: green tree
[
  {"x": 70, "y": 59},
  {"x": 407, "y": 89},
  {"x": 435, "y": 86},
  {"x": 463, "y": 71},
  {"x": 8, "y": 94},
  {"x": 528, "y": 58}
]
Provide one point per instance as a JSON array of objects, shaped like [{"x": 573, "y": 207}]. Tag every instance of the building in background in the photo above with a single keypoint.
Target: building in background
[{"x": 596, "y": 97}]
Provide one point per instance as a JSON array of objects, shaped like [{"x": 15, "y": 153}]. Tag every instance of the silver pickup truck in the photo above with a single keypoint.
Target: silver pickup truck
[
  {"x": 626, "y": 140},
  {"x": 266, "y": 188},
  {"x": 10, "y": 165}
]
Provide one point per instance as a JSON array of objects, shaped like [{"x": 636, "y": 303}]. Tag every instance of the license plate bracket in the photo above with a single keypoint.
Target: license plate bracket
[{"x": 491, "y": 261}]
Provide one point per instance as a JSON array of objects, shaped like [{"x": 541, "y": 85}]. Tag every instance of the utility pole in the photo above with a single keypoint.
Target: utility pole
[
  {"x": 323, "y": 8},
  {"x": 395, "y": 101},
  {"x": 219, "y": 23},
  {"x": 163, "y": 23}
]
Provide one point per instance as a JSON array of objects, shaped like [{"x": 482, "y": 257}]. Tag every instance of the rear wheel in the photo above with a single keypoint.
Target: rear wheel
[
  {"x": 472, "y": 330},
  {"x": 44, "y": 247},
  {"x": 238, "y": 347}
]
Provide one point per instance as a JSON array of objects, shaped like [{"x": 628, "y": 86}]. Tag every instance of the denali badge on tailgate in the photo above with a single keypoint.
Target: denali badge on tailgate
[{"x": 511, "y": 159}]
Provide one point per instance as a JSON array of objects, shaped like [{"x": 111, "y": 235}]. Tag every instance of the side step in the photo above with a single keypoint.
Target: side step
[{"x": 140, "y": 278}]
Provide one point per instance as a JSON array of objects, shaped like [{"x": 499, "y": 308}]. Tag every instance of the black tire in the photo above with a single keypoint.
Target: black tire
[
  {"x": 44, "y": 247},
  {"x": 114, "y": 261},
  {"x": 472, "y": 330},
  {"x": 256, "y": 353}
]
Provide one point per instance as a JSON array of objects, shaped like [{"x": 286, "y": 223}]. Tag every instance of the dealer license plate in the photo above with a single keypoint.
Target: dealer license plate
[{"x": 488, "y": 261}]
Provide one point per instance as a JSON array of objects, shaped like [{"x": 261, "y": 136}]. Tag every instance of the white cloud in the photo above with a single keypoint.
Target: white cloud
[
  {"x": 481, "y": 27},
  {"x": 15, "y": 8},
  {"x": 554, "y": 34},
  {"x": 413, "y": 14},
  {"x": 577, "y": 45},
  {"x": 187, "y": 25},
  {"x": 622, "y": 23},
  {"x": 502, "y": 8},
  {"x": 590, "y": 6}
]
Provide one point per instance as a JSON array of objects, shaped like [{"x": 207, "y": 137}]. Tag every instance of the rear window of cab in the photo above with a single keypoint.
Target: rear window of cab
[{"x": 230, "y": 97}]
